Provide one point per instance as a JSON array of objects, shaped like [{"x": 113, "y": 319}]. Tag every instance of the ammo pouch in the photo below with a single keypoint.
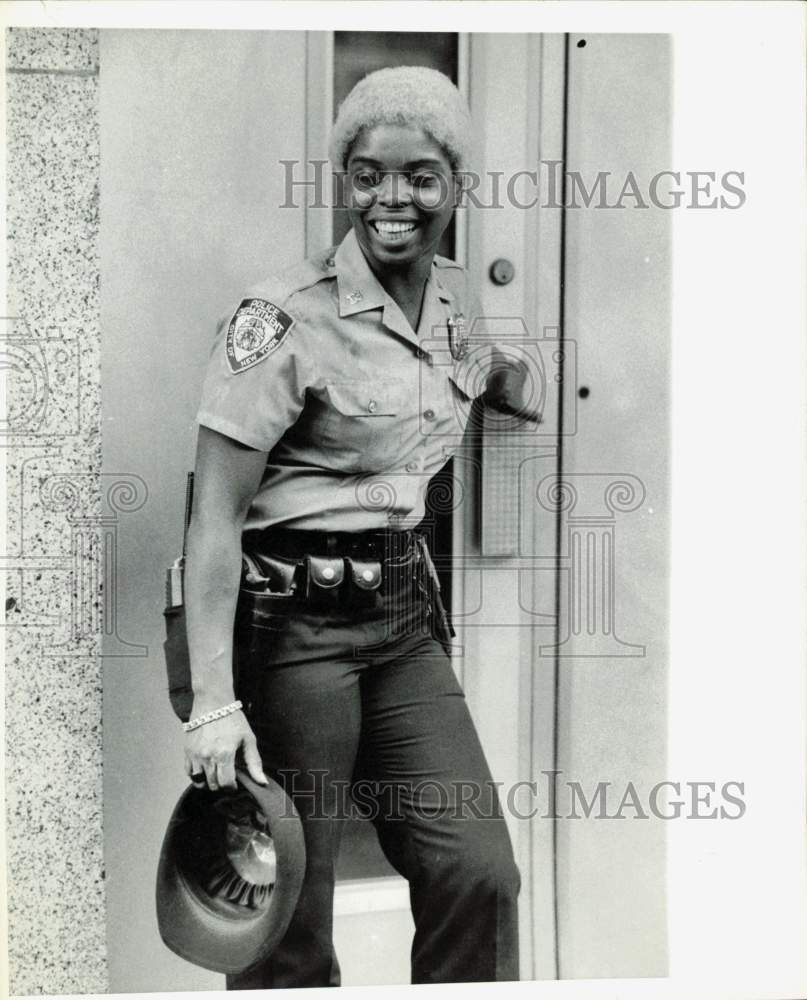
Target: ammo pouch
[
  {"x": 329, "y": 580},
  {"x": 326, "y": 576}
]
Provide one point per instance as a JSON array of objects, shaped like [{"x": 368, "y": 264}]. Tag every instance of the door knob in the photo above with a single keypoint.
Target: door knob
[{"x": 502, "y": 271}]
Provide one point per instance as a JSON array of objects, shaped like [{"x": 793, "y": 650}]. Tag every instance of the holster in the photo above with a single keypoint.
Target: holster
[
  {"x": 260, "y": 575},
  {"x": 269, "y": 573},
  {"x": 444, "y": 630},
  {"x": 318, "y": 581}
]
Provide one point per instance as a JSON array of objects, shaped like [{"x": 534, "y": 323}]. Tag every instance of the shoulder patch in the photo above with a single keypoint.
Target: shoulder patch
[{"x": 256, "y": 330}]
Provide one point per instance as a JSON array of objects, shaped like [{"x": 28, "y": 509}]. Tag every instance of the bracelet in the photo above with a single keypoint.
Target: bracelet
[{"x": 217, "y": 713}]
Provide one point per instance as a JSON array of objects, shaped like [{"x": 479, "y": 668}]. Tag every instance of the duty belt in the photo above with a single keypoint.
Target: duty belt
[
  {"x": 381, "y": 544},
  {"x": 327, "y": 567},
  {"x": 318, "y": 563}
]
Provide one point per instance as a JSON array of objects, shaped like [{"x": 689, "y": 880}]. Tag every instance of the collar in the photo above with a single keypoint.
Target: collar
[
  {"x": 359, "y": 289},
  {"x": 442, "y": 292}
]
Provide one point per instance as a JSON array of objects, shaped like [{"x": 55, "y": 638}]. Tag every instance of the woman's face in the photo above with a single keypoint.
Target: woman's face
[{"x": 400, "y": 194}]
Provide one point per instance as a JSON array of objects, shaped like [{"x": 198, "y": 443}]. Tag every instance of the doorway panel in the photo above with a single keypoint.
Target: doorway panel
[{"x": 612, "y": 662}]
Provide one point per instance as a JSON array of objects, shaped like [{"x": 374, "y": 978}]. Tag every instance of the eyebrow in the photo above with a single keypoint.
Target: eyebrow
[{"x": 426, "y": 161}]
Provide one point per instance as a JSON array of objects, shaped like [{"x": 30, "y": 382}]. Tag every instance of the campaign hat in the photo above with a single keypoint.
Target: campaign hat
[{"x": 231, "y": 866}]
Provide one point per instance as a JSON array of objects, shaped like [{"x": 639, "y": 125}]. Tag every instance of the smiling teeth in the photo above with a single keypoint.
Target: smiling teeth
[{"x": 394, "y": 228}]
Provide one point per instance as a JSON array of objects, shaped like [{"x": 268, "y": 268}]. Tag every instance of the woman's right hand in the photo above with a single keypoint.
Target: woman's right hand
[{"x": 210, "y": 752}]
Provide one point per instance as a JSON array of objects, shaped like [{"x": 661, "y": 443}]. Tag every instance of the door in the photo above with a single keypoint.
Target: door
[
  {"x": 613, "y": 538},
  {"x": 502, "y": 585}
]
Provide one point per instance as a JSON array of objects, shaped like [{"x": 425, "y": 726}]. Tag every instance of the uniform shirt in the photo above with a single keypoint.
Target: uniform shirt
[{"x": 357, "y": 411}]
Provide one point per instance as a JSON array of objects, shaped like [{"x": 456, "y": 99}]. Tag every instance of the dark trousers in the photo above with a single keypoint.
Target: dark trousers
[{"x": 364, "y": 698}]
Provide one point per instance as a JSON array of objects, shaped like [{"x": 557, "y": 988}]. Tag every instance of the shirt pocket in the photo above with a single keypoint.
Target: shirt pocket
[{"x": 364, "y": 423}]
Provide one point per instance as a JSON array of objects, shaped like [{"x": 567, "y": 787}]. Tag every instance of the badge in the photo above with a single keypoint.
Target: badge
[
  {"x": 457, "y": 336},
  {"x": 257, "y": 329}
]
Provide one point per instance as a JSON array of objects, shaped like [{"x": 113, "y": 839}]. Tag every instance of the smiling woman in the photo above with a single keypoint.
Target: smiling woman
[
  {"x": 401, "y": 199},
  {"x": 324, "y": 416}
]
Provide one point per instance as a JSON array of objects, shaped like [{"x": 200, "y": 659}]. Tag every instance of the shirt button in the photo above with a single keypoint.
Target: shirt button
[
  {"x": 372, "y": 406},
  {"x": 367, "y": 575},
  {"x": 328, "y": 573},
  {"x": 412, "y": 466},
  {"x": 428, "y": 414}
]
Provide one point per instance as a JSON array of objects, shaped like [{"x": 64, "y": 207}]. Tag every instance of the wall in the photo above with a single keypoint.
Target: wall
[
  {"x": 192, "y": 125},
  {"x": 51, "y": 363}
]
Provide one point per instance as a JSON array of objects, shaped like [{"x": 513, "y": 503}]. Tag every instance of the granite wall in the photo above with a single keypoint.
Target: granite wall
[{"x": 51, "y": 438}]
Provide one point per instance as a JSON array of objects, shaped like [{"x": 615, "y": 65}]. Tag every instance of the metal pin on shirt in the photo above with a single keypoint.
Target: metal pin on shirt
[{"x": 457, "y": 336}]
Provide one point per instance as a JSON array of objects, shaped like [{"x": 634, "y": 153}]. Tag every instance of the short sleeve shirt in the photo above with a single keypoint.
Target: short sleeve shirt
[{"x": 357, "y": 411}]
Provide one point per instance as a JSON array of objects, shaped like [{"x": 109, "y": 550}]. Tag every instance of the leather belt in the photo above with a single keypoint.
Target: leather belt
[{"x": 381, "y": 544}]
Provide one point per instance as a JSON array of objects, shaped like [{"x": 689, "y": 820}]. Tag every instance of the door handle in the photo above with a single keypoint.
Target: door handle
[{"x": 502, "y": 271}]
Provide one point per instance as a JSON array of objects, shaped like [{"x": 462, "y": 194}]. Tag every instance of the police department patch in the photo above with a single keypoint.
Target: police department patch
[{"x": 257, "y": 329}]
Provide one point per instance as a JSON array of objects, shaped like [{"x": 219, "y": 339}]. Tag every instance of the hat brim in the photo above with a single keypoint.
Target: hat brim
[{"x": 215, "y": 933}]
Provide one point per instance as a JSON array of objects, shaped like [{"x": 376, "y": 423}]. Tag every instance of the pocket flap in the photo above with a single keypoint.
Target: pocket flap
[
  {"x": 364, "y": 398},
  {"x": 325, "y": 573},
  {"x": 365, "y": 575}
]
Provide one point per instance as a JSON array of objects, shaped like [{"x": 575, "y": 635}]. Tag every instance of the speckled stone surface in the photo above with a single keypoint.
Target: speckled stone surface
[
  {"x": 51, "y": 341},
  {"x": 59, "y": 49}
]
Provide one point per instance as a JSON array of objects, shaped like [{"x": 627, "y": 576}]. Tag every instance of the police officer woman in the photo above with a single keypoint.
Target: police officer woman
[{"x": 334, "y": 392}]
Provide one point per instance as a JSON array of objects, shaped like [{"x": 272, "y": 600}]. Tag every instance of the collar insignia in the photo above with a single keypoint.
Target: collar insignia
[{"x": 457, "y": 336}]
